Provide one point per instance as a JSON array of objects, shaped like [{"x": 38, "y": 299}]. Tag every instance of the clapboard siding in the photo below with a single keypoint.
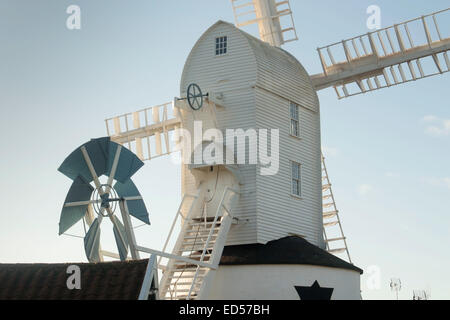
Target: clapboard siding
[
  {"x": 282, "y": 74},
  {"x": 257, "y": 82},
  {"x": 279, "y": 213}
]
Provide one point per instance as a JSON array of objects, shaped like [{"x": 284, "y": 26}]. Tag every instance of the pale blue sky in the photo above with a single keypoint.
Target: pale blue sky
[{"x": 390, "y": 177}]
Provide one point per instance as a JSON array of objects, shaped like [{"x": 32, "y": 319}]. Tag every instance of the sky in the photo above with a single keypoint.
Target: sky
[{"x": 387, "y": 151}]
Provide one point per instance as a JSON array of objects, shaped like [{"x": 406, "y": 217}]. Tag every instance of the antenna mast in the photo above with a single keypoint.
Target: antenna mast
[{"x": 396, "y": 285}]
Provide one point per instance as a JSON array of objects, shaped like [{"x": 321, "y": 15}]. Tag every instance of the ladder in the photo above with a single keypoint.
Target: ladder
[
  {"x": 331, "y": 222},
  {"x": 201, "y": 241},
  {"x": 274, "y": 18}
]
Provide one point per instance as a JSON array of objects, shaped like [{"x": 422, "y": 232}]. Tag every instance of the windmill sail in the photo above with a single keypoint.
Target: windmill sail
[
  {"x": 273, "y": 17},
  {"x": 146, "y": 132},
  {"x": 404, "y": 52}
]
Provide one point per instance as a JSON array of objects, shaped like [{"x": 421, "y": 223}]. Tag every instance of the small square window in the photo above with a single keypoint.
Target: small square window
[
  {"x": 295, "y": 120},
  {"x": 296, "y": 177},
  {"x": 221, "y": 45}
]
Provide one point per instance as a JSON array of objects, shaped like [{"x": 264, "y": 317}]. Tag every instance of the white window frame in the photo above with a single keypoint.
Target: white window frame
[
  {"x": 221, "y": 46},
  {"x": 292, "y": 119},
  {"x": 299, "y": 180}
]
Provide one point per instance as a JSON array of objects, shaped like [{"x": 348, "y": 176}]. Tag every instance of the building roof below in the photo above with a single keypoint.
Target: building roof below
[{"x": 103, "y": 281}]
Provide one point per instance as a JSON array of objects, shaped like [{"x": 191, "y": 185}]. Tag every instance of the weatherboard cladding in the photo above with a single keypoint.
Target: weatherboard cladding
[
  {"x": 280, "y": 213},
  {"x": 257, "y": 82}
]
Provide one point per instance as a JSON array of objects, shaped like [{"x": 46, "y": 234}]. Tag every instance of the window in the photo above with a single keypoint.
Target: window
[
  {"x": 296, "y": 179},
  {"x": 221, "y": 45},
  {"x": 295, "y": 120}
]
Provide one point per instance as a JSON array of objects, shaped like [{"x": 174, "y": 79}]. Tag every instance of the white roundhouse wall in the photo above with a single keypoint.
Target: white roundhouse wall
[{"x": 277, "y": 282}]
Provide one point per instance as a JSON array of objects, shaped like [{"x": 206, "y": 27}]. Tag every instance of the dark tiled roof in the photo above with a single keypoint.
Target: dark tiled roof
[
  {"x": 103, "y": 281},
  {"x": 289, "y": 250}
]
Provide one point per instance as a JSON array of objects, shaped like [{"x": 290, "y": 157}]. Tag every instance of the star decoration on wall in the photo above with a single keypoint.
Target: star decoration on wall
[{"x": 315, "y": 292}]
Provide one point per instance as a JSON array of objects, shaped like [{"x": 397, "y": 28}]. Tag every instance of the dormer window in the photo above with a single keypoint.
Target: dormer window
[{"x": 221, "y": 45}]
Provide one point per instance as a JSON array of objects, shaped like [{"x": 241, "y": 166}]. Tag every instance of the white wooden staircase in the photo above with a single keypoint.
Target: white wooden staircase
[{"x": 200, "y": 244}]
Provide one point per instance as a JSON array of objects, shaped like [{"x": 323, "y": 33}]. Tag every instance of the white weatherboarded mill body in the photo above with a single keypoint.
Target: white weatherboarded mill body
[{"x": 256, "y": 84}]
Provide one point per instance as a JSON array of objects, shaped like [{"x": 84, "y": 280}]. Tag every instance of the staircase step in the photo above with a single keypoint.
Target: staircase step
[
  {"x": 199, "y": 255},
  {"x": 288, "y": 29},
  {"x": 330, "y": 214},
  {"x": 203, "y": 223},
  {"x": 184, "y": 297},
  {"x": 191, "y": 268},
  {"x": 181, "y": 263},
  {"x": 341, "y": 250},
  {"x": 183, "y": 290},
  {"x": 184, "y": 283},
  {"x": 330, "y": 224},
  {"x": 202, "y": 228},
  {"x": 336, "y": 239},
  {"x": 197, "y": 247},
  {"x": 202, "y": 231},
  {"x": 174, "y": 277},
  {"x": 284, "y": 12},
  {"x": 281, "y": 3},
  {"x": 328, "y": 205},
  {"x": 188, "y": 268},
  {"x": 198, "y": 237},
  {"x": 326, "y": 187},
  {"x": 186, "y": 287},
  {"x": 208, "y": 219}
]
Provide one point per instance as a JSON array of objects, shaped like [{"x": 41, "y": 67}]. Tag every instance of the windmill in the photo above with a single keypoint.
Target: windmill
[{"x": 245, "y": 235}]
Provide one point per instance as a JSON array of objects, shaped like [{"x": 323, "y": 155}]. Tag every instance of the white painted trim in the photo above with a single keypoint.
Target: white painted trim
[
  {"x": 91, "y": 169},
  {"x": 129, "y": 230},
  {"x": 133, "y": 198},
  {"x": 175, "y": 257},
  {"x": 110, "y": 254},
  {"x": 296, "y": 197},
  {"x": 151, "y": 274},
  {"x": 113, "y": 169},
  {"x": 227, "y": 47},
  {"x": 81, "y": 203}
]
